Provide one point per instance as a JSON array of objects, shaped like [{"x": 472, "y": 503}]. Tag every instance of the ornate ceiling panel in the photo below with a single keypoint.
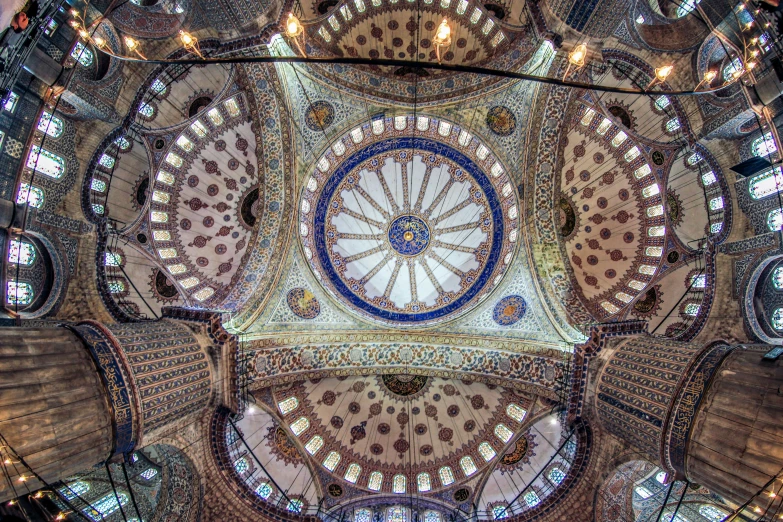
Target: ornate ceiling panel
[{"x": 409, "y": 231}]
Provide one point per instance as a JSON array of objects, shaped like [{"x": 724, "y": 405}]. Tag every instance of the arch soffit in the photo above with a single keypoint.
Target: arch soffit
[
  {"x": 59, "y": 275},
  {"x": 748, "y": 306}
]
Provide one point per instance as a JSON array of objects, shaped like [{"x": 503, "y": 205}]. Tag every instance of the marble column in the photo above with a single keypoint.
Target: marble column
[
  {"x": 75, "y": 396},
  {"x": 710, "y": 412}
]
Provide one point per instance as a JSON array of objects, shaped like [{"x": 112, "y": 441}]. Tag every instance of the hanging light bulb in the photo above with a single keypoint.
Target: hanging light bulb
[
  {"x": 754, "y": 40},
  {"x": 293, "y": 27},
  {"x": 661, "y": 73},
  {"x": 442, "y": 37},
  {"x": 577, "y": 55},
  {"x": 100, "y": 42},
  {"x": 708, "y": 77},
  {"x": 190, "y": 43},
  {"x": 133, "y": 45},
  {"x": 83, "y": 34},
  {"x": 74, "y": 23}
]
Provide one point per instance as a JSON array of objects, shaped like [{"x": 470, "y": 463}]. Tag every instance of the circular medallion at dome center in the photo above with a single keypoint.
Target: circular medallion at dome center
[
  {"x": 409, "y": 235},
  {"x": 407, "y": 230}
]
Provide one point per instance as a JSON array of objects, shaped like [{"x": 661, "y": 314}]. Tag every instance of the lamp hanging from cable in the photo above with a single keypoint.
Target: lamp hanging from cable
[
  {"x": 442, "y": 37},
  {"x": 190, "y": 43},
  {"x": 661, "y": 73},
  {"x": 576, "y": 58},
  {"x": 133, "y": 45},
  {"x": 293, "y": 30}
]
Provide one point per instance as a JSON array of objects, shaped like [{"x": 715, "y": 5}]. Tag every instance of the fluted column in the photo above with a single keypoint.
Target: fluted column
[
  {"x": 709, "y": 412},
  {"x": 73, "y": 397}
]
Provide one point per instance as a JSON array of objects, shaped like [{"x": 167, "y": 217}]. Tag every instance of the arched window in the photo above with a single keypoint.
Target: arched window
[
  {"x": 446, "y": 475},
  {"x": 116, "y": 287},
  {"x": 556, "y": 475},
  {"x": 642, "y": 492},
  {"x": 51, "y": 125},
  {"x": 112, "y": 259},
  {"x": 331, "y": 460},
  {"x": 106, "y": 161},
  {"x": 30, "y": 195},
  {"x": 105, "y": 506},
  {"x": 214, "y": 116},
  {"x": 288, "y": 405},
  {"x": 295, "y": 505},
  {"x": 21, "y": 253},
  {"x": 516, "y": 413},
  {"x": 685, "y": 7},
  {"x": 362, "y": 515},
  {"x": 767, "y": 183},
  {"x": 314, "y": 445},
  {"x": 777, "y": 278},
  {"x": 712, "y": 513},
  {"x": 672, "y": 125},
  {"x": 399, "y": 484},
  {"x": 71, "y": 491},
  {"x": 763, "y": 145},
  {"x": 82, "y": 54},
  {"x": 662, "y": 101},
  {"x": 375, "y": 481},
  {"x": 241, "y": 465},
  {"x": 97, "y": 185},
  {"x": 531, "y": 499},
  {"x": 300, "y": 425},
  {"x": 397, "y": 513},
  {"x": 716, "y": 203},
  {"x": 352, "y": 473},
  {"x": 775, "y": 219},
  {"x": 98, "y": 208},
  {"x": 19, "y": 293},
  {"x": 661, "y": 477},
  {"x": 158, "y": 87},
  {"x": 263, "y": 490},
  {"x": 45, "y": 162},
  {"x": 503, "y": 433},
  {"x": 467, "y": 465},
  {"x": 146, "y": 110},
  {"x": 423, "y": 482},
  {"x": 148, "y": 474},
  {"x": 732, "y": 68},
  {"x": 487, "y": 452},
  {"x": 777, "y": 318},
  {"x": 432, "y": 516},
  {"x": 692, "y": 309},
  {"x": 499, "y": 511}
]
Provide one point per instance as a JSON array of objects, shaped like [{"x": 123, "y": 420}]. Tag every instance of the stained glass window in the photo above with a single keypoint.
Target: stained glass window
[
  {"x": 116, "y": 287},
  {"x": 98, "y": 208},
  {"x": 708, "y": 178},
  {"x": 45, "y": 162},
  {"x": 98, "y": 185},
  {"x": 763, "y": 145},
  {"x": 716, "y": 203},
  {"x": 588, "y": 117},
  {"x": 148, "y": 474},
  {"x": 632, "y": 154},
  {"x": 263, "y": 490},
  {"x": 503, "y": 433},
  {"x": 775, "y": 219},
  {"x": 241, "y": 465},
  {"x": 694, "y": 158},
  {"x": 692, "y": 309},
  {"x": 375, "y": 481},
  {"x": 716, "y": 227},
  {"x": 610, "y": 307},
  {"x": 398, "y": 482},
  {"x": 531, "y": 499},
  {"x": 423, "y": 482},
  {"x": 487, "y": 452},
  {"x": 673, "y": 124},
  {"x": 652, "y": 190},
  {"x": 463, "y": 139},
  {"x": 10, "y": 102},
  {"x": 619, "y": 138},
  {"x": 214, "y": 116},
  {"x": 105, "y": 506},
  {"x": 777, "y": 278},
  {"x": 19, "y": 293},
  {"x": 656, "y": 231},
  {"x": 198, "y": 128},
  {"x": 204, "y": 293},
  {"x": 359, "y": 5},
  {"x": 167, "y": 253},
  {"x": 662, "y": 102},
  {"x": 123, "y": 143},
  {"x": 444, "y": 128},
  {"x": 732, "y": 68},
  {"x": 467, "y": 465},
  {"x": 295, "y": 505},
  {"x": 362, "y": 515},
  {"x": 516, "y": 413},
  {"x": 158, "y": 87},
  {"x": 106, "y": 161},
  {"x": 161, "y": 197},
  {"x": 777, "y": 318},
  {"x": 647, "y": 269},
  {"x": 184, "y": 143},
  {"x": 446, "y": 475},
  {"x": 51, "y": 125},
  {"x": 767, "y": 183},
  {"x": 655, "y": 211},
  {"x": 21, "y": 252},
  {"x": 31, "y": 195},
  {"x": 288, "y": 405},
  {"x": 173, "y": 159},
  {"x": 159, "y": 217},
  {"x": 642, "y": 491},
  {"x": 604, "y": 126},
  {"x": 74, "y": 489},
  {"x": 352, "y": 473},
  {"x": 82, "y": 54},
  {"x": 499, "y": 511},
  {"x": 314, "y": 444},
  {"x": 556, "y": 475},
  {"x": 300, "y": 425},
  {"x": 331, "y": 460},
  {"x": 636, "y": 285},
  {"x": 661, "y": 477},
  {"x": 432, "y": 516},
  {"x": 165, "y": 177},
  {"x": 397, "y": 513},
  {"x": 712, "y": 513},
  {"x": 232, "y": 107},
  {"x": 146, "y": 110},
  {"x": 685, "y": 7}
]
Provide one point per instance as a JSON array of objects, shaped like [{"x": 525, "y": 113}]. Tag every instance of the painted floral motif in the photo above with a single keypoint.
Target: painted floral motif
[
  {"x": 303, "y": 303},
  {"x": 501, "y": 120}
]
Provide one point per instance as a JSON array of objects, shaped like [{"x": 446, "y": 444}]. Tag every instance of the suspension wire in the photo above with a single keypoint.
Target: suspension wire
[
  {"x": 665, "y": 500},
  {"x": 114, "y": 489},
  {"x": 130, "y": 490}
]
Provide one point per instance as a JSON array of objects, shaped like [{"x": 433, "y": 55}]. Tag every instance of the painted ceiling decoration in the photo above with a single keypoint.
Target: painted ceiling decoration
[{"x": 409, "y": 230}]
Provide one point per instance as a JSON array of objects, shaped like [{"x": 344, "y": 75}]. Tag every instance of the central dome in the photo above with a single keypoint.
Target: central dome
[{"x": 409, "y": 230}]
